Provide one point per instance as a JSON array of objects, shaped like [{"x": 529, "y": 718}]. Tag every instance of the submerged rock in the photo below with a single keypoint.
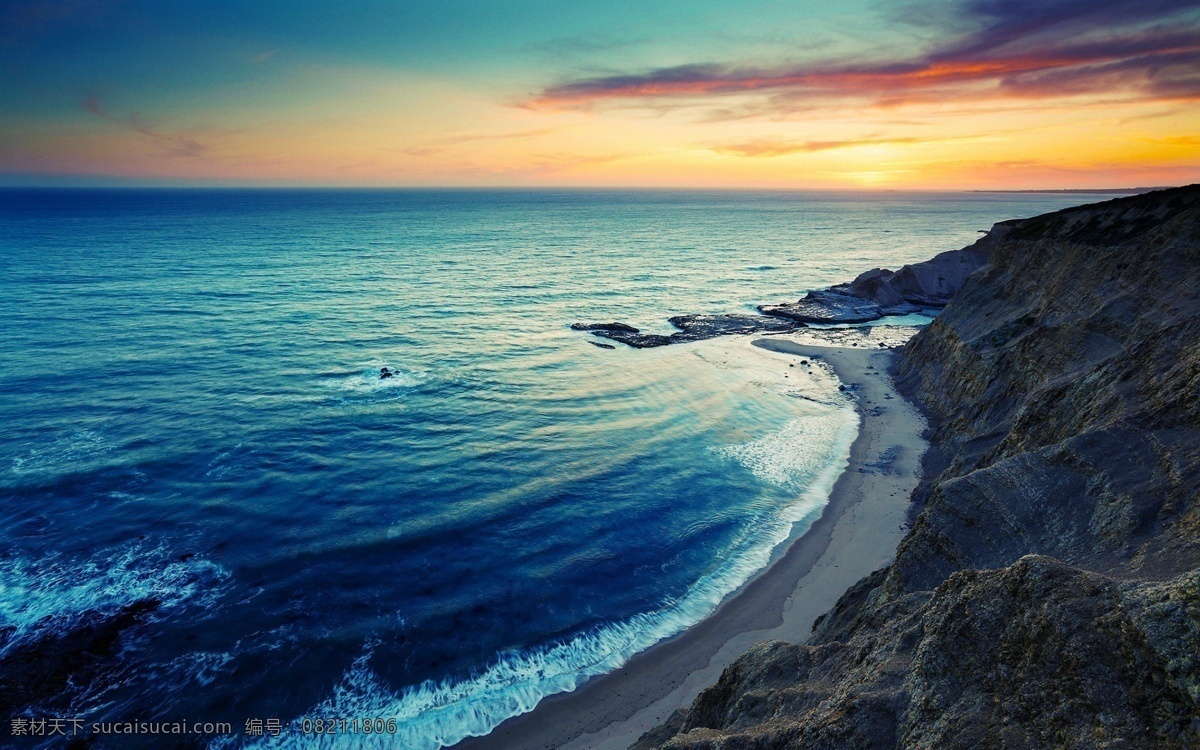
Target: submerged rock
[
  {"x": 60, "y": 660},
  {"x": 636, "y": 340},
  {"x": 612, "y": 327}
]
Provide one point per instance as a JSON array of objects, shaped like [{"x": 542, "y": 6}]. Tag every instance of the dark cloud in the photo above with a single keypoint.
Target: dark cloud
[
  {"x": 1007, "y": 22},
  {"x": 1000, "y": 48}
]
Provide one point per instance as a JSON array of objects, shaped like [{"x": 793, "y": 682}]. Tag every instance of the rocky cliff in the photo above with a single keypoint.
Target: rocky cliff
[{"x": 1048, "y": 593}]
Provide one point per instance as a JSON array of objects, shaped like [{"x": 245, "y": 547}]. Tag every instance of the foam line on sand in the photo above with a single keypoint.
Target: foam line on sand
[{"x": 856, "y": 534}]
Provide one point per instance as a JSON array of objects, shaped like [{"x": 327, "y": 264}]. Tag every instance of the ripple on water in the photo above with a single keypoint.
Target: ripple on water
[
  {"x": 77, "y": 448},
  {"x": 806, "y": 456},
  {"x": 366, "y": 387}
]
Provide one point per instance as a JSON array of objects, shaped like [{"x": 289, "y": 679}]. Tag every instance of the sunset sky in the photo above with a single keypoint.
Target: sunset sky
[{"x": 942, "y": 94}]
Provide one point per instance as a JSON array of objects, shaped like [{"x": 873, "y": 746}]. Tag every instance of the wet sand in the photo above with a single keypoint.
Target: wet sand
[{"x": 856, "y": 534}]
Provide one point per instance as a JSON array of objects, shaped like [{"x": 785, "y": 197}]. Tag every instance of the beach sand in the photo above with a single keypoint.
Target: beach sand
[{"x": 856, "y": 534}]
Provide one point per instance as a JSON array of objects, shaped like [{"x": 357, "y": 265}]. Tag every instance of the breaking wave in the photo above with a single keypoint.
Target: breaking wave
[
  {"x": 438, "y": 714},
  {"x": 52, "y": 595},
  {"x": 791, "y": 457}
]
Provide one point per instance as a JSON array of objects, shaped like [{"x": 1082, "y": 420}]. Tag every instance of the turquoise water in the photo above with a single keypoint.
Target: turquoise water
[{"x": 193, "y": 419}]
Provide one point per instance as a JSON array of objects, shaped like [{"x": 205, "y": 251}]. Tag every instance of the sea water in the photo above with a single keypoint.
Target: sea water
[{"x": 194, "y": 420}]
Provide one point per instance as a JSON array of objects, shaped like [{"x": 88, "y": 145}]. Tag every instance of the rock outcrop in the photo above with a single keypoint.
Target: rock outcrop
[
  {"x": 880, "y": 292},
  {"x": 691, "y": 328},
  {"x": 871, "y": 296},
  {"x": 1048, "y": 592}
]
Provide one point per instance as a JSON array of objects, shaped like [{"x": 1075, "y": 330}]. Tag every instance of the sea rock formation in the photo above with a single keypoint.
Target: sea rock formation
[
  {"x": 1048, "y": 592},
  {"x": 606, "y": 327},
  {"x": 827, "y": 306},
  {"x": 691, "y": 328},
  {"x": 697, "y": 327},
  {"x": 871, "y": 296},
  {"x": 881, "y": 292}
]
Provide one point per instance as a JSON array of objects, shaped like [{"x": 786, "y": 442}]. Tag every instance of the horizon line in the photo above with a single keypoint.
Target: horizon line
[{"x": 641, "y": 188}]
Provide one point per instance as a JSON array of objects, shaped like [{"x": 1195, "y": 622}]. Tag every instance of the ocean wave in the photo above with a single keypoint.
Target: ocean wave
[
  {"x": 52, "y": 595},
  {"x": 438, "y": 714},
  {"x": 792, "y": 456},
  {"x": 78, "y": 447}
]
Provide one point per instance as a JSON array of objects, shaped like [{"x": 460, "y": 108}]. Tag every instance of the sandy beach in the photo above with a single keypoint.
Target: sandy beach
[{"x": 856, "y": 534}]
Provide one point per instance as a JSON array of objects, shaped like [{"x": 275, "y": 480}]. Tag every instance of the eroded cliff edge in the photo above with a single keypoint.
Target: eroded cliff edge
[{"x": 1048, "y": 593}]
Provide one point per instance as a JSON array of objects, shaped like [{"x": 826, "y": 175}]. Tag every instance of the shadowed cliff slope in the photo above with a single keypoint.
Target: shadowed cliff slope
[{"x": 1048, "y": 594}]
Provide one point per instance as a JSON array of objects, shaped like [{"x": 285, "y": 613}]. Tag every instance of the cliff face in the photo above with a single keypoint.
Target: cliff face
[{"x": 1048, "y": 593}]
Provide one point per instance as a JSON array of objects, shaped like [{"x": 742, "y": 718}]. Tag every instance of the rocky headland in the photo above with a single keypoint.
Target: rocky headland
[
  {"x": 1048, "y": 591},
  {"x": 918, "y": 287}
]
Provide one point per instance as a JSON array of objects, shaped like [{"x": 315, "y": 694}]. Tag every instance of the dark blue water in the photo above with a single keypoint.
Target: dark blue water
[{"x": 193, "y": 418}]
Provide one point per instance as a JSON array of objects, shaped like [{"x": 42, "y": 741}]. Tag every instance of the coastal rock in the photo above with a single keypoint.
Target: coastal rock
[
  {"x": 691, "y": 328},
  {"x": 930, "y": 283},
  {"x": 610, "y": 327},
  {"x": 881, "y": 292},
  {"x": 62, "y": 659},
  {"x": 697, "y": 327},
  {"x": 1063, "y": 383},
  {"x": 636, "y": 340},
  {"x": 826, "y": 306},
  {"x": 870, "y": 296},
  {"x": 1038, "y": 654},
  {"x": 623, "y": 333},
  {"x": 1048, "y": 591}
]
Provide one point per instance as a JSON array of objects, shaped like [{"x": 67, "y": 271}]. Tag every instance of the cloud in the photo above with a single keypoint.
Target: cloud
[
  {"x": 174, "y": 144},
  {"x": 1183, "y": 141},
  {"x": 1143, "y": 49},
  {"x": 442, "y": 144},
  {"x": 775, "y": 147}
]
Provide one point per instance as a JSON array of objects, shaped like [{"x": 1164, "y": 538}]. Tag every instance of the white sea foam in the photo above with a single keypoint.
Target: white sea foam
[
  {"x": 79, "y": 446},
  {"x": 793, "y": 456},
  {"x": 367, "y": 386},
  {"x": 54, "y": 594},
  {"x": 438, "y": 714},
  {"x": 202, "y": 667}
]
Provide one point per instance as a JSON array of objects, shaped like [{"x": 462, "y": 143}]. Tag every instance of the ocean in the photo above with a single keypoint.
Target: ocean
[{"x": 200, "y": 460}]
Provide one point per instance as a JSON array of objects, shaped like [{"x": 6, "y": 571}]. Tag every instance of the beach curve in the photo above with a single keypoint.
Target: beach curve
[{"x": 856, "y": 534}]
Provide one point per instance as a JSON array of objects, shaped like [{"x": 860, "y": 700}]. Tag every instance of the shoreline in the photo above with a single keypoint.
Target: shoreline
[{"x": 857, "y": 532}]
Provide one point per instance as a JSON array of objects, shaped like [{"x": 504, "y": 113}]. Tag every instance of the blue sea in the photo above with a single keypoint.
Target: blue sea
[{"x": 193, "y": 423}]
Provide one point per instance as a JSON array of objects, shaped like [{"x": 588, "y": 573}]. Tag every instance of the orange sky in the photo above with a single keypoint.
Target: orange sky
[{"x": 1018, "y": 95}]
